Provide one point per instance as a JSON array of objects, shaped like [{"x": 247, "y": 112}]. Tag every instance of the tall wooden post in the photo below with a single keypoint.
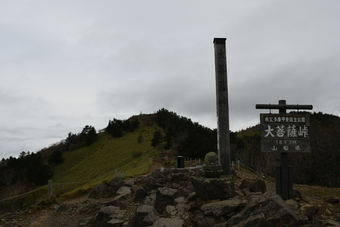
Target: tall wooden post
[{"x": 222, "y": 104}]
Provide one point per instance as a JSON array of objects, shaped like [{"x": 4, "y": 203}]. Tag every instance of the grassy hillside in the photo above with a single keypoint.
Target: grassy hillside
[{"x": 103, "y": 157}]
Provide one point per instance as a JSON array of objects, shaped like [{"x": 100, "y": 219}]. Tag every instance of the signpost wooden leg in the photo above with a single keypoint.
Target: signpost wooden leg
[
  {"x": 284, "y": 172},
  {"x": 285, "y": 178},
  {"x": 278, "y": 180}
]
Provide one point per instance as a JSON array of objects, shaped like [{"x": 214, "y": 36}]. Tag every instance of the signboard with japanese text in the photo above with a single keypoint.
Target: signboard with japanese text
[{"x": 285, "y": 133}]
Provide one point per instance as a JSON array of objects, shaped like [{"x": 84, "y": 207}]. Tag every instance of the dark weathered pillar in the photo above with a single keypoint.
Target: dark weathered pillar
[
  {"x": 223, "y": 137},
  {"x": 284, "y": 186}
]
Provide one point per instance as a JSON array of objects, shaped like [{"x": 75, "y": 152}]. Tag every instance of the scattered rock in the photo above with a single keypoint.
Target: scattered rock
[
  {"x": 115, "y": 185},
  {"x": 223, "y": 208},
  {"x": 233, "y": 172},
  {"x": 213, "y": 188},
  {"x": 168, "y": 222},
  {"x": 140, "y": 194},
  {"x": 268, "y": 209},
  {"x": 297, "y": 195},
  {"x": 115, "y": 223},
  {"x": 254, "y": 185},
  {"x": 138, "y": 218},
  {"x": 165, "y": 196},
  {"x": 123, "y": 191},
  {"x": 100, "y": 191},
  {"x": 63, "y": 208},
  {"x": 293, "y": 204},
  {"x": 247, "y": 192},
  {"x": 87, "y": 222},
  {"x": 184, "y": 197},
  {"x": 331, "y": 199},
  {"x": 310, "y": 210},
  {"x": 151, "y": 199},
  {"x": 104, "y": 215}
]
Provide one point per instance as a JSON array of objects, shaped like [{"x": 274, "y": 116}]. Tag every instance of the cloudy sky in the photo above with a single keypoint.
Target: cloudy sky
[{"x": 70, "y": 63}]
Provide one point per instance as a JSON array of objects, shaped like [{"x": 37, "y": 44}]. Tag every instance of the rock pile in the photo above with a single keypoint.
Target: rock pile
[{"x": 185, "y": 197}]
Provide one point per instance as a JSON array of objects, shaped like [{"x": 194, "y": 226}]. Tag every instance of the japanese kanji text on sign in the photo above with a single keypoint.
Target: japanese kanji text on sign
[{"x": 285, "y": 133}]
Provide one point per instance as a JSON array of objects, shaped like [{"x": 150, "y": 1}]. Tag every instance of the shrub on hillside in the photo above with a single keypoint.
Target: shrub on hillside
[
  {"x": 56, "y": 157},
  {"x": 137, "y": 154}
]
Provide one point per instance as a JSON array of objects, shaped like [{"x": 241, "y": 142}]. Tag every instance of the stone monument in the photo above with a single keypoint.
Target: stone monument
[
  {"x": 210, "y": 183},
  {"x": 211, "y": 167}
]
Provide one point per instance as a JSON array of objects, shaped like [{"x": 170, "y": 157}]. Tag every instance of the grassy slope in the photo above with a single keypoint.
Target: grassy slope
[{"x": 102, "y": 158}]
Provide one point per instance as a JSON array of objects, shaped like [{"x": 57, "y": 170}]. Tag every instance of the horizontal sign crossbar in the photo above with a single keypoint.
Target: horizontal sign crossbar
[{"x": 284, "y": 107}]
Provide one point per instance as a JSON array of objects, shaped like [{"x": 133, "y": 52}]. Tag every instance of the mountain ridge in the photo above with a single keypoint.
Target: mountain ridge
[{"x": 131, "y": 153}]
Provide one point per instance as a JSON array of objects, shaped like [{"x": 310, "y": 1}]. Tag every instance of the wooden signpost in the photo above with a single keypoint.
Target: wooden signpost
[{"x": 284, "y": 133}]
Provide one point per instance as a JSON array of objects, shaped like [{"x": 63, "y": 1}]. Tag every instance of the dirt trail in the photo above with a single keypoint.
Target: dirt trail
[{"x": 158, "y": 163}]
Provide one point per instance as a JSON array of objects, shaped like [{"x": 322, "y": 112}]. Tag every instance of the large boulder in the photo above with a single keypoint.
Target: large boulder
[
  {"x": 331, "y": 199},
  {"x": 227, "y": 207},
  {"x": 100, "y": 191},
  {"x": 124, "y": 190},
  {"x": 115, "y": 185},
  {"x": 160, "y": 173},
  {"x": 168, "y": 222},
  {"x": 309, "y": 210},
  {"x": 254, "y": 185},
  {"x": 144, "y": 216},
  {"x": 140, "y": 194},
  {"x": 165, "y": 196},
  {"x": 213, "y": 188},
  {"x": 106, "y": 214},
  {"x": 268, "y": 210},
  {"x": 150, "y": 199}
]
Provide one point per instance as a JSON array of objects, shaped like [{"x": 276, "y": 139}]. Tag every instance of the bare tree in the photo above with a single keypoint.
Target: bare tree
[{"x": 7, "y": 176}]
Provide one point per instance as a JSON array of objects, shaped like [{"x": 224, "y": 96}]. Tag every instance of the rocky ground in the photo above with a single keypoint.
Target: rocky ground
[{"x": 131, "y": 202}]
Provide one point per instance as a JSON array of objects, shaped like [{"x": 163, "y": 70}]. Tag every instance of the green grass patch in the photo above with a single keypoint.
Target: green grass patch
[
  {"x": 74, "y": 194},
  {"x": 100, "y": 160},
  {"x": 45, "y": 202},
  {"x": 319, "y": 191}
]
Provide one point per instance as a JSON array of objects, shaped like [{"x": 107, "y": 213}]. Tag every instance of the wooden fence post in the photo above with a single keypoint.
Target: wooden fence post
[{"x": 49, "y": 188}]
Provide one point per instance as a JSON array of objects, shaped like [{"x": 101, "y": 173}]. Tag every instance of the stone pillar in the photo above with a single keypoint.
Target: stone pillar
[{"x": 223, "y": 137}]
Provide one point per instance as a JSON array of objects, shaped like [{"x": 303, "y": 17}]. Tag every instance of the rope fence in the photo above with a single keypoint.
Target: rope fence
[
  {"x": 49, "y": 185},
  {"x": 305, "y": 185},
  {"x": 123, "y": 174},
  {"x": 17, "y": 196}
]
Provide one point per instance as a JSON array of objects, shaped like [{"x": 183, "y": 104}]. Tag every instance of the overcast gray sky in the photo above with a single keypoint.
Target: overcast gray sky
[{"x": 69, "y": 63}]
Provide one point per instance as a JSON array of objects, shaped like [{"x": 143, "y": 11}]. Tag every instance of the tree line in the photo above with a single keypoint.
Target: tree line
[
  {"x": 188, "y": 138},
  {"x": 320, "y": 167},
  {"x": 29, "y": 170},
  {"x": 116, "y": 127},
  {"x": 32, "y": 168}
]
